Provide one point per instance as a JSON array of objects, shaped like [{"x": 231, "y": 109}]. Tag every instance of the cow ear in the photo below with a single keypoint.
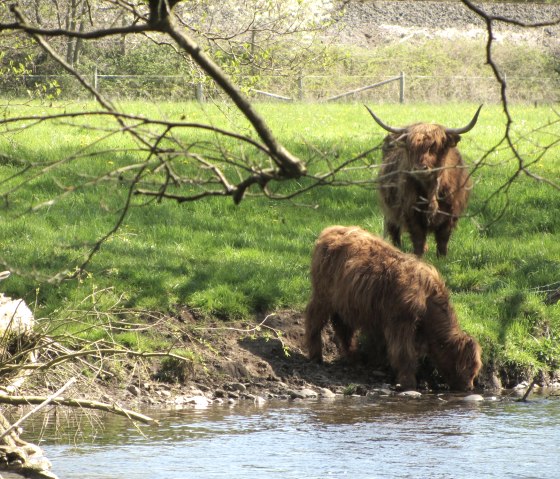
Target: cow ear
[
  {"x": 395, "y": 141},
  {"x": 452, "y": 139}
]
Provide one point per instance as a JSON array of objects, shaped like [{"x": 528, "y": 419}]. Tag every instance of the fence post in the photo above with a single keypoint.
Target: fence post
[
  {"x": 401, "y": 88},
  {"x": 95, "y": 80},
  {"x": 300, "y": 87},
  {"x": 199, "y": 92}
]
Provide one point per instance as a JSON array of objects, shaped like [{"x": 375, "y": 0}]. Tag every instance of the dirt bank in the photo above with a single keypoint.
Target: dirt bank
[{"x": 261, "y": 361}]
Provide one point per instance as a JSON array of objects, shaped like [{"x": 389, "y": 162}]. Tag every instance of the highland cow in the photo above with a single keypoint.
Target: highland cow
[
  {"x": 362, "y": 283},
  {"x": 423, "y": 182}
]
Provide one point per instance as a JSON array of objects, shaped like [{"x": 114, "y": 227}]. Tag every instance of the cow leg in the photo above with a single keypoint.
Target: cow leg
[
  {"x": 442, "y": 239},
  {"x": 418, "y": 230},
  {"x": 402, "y": 353},
  {"x": 393, "y": 230},
  {"x": 316, "y": 318},
  {"x": 344, "y": 335}
]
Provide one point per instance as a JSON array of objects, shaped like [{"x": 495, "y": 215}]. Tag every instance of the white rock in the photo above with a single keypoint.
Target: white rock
[
  {"x": 198, "y": 401},
  {"x": 15, "y": 316},
  {"x": 473, "y": 398},
  {"x": 411, "y": 394},
  {"x": 326, "y": 393}
]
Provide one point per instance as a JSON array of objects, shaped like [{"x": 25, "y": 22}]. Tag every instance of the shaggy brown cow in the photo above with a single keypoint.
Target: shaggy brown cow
[
  {"x": 362, "y": 283},
  {"x": 423, "y": 183}
]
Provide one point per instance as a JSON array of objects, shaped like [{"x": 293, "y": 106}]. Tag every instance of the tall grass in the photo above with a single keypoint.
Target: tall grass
[{"x": 232, "y": 261}]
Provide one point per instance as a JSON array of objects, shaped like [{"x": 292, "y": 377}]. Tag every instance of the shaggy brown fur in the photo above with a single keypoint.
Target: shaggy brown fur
[
  {"x": 423, "y": 184},
  {"x": 360, "y": 282}
]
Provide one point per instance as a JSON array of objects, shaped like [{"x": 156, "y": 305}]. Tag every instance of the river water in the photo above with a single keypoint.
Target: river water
[{"x": 429, "y": 437}]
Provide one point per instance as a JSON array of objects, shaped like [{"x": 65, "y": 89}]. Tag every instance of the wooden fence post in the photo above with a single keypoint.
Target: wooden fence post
[
  {"x": 95, "y": 80},
  {"x": 300, "y": 87},
  {"x": 401, "y": 88},
  {"x": 199, "y": 92}
]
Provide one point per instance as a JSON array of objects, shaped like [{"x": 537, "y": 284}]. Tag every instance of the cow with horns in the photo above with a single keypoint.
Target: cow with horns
[{"x": 423, "y": 182}]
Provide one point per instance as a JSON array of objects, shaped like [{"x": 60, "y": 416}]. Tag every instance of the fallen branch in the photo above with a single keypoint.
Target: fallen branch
[
  {"x": 38, "y": 408},
  {"x": 529, "y": 389},
  {"x": 82, "y": 403}
]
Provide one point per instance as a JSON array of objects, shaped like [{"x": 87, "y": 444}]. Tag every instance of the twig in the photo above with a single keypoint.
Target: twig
[{"x": 38, "y": 408}]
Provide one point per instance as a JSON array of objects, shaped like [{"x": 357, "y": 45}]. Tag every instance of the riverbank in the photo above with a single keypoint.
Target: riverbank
[{"x": 259, "y": 362}]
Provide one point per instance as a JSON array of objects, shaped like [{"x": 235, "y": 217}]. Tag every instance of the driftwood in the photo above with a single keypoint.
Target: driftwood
[{"x": 79, "y": 403}]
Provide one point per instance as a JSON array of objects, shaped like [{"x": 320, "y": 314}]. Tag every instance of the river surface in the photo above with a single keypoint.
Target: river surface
[{"x": 429, "y": 437}]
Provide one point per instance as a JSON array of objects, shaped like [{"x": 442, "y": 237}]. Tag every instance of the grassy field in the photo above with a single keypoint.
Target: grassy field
[{"x": 232, "y": 261}]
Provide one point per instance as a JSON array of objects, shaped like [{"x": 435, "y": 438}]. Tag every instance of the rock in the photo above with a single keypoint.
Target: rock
[
  {"x": 15, "y": 317},
  {"x": 326, "y": 393},
  {"x": 473, "y": 398},
  {"x": 236, "y": 387},
  {"x": 303, "y": 394},
  {"x": 134, "y": 390},
  {"x": 385, "y": 392},
  {"x": 220, "y": 393},
  {"x": 410, "y": 394},
  {"x": 198, "y": 401},
  {"x": 259, "y": 401}
]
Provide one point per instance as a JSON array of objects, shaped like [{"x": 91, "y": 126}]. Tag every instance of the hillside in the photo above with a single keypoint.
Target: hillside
[{"x": 371, "y": 23}]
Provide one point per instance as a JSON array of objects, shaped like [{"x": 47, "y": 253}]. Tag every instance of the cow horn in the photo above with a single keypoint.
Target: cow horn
[
  {"x": 469, "y": 127},
  {"x": 390, "y": 129}
]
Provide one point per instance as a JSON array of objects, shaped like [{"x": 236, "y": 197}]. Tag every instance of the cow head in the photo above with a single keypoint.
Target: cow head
[{"x": 426, "y": 144}]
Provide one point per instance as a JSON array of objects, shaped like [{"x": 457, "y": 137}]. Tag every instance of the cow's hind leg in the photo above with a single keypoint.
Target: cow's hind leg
[
  {"x": 344, "y": 335},
  {"x": 316, "y": 317}
]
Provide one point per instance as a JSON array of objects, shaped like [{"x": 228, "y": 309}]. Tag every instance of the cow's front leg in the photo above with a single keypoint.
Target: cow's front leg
[
  {"x": 442, "y": 239},
  {"x": 393, "y": 230},
  {"x": 418, "y": 229}
]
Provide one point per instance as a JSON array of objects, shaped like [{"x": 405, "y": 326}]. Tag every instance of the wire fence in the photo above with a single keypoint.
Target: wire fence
[{"x": 311, "y": 88}]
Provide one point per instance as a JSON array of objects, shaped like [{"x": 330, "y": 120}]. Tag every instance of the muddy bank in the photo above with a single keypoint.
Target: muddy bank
[{"x": 239, "y": 362}]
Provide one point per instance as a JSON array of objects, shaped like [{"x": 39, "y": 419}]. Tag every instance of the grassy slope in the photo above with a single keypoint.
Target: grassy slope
[{"x": 234, "y": 260}]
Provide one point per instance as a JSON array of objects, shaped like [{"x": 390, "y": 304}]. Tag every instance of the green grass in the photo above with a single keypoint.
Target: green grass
[{"x": 232, "y": 261}]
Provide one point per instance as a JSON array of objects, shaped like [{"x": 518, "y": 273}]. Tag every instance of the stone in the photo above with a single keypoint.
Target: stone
[
  {"x": 473, "y": 398},
  {"x": 220, "y": 393},
  {"x": 326, "y": 393},
  {"x": 303, "y": 394},
  {"x": 236, "y": 387},
  {"x": 198, "y": 401},
  {"x": 410, "y": 394},
  {"x": 134, "y": 390}
]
